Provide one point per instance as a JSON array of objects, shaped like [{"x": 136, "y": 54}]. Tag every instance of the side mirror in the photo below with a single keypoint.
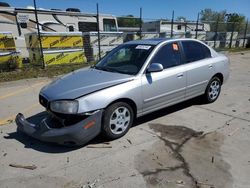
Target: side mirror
[{"x": 155, "y": 67}]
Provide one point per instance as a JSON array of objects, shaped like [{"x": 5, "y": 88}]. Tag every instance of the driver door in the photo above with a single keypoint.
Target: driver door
[{"x": 161, "y": 89}]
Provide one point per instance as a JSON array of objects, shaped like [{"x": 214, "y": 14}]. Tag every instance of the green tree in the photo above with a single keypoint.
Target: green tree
[
  {"x": 128, "y": 21},
  {"x": 236, "y": 21},
  {"x": 212, "y": 17},
  {"x": 227, "y": 21}
]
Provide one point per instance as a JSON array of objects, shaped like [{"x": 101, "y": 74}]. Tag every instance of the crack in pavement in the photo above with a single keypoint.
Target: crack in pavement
[{"x": 222, "y": 113}]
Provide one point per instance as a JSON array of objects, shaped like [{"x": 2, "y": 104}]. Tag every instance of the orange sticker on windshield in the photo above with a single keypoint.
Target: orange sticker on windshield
[{"x": 175, "y": 47}]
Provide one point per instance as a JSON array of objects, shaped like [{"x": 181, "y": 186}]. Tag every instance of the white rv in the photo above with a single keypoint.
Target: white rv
[
  {"x": 161, "y": 26},
  {"x": 20, "y": 21}
]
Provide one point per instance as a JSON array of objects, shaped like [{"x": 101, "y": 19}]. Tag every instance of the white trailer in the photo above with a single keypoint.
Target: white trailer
[
  {"x": 20, "y": 21},
  {"x": 162, "y": 26}
]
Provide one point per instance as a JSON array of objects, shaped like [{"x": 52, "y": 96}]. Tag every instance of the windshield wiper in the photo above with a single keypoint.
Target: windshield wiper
[
  {"x": 105, "y": 69},
  {"x": 108, "y": 69}
]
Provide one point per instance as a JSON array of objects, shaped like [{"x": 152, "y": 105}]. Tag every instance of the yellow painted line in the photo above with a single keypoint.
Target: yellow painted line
[
  {"x": 21, "y": 90},
  {"x": 11, "y": 118}
]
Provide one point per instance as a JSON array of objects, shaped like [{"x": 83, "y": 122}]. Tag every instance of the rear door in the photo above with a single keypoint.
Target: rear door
[
  {"x": 160, "y": 89},
  {"x": 199, "y": 67}
]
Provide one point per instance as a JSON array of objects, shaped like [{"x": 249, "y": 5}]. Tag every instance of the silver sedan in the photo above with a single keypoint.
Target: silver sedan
[{"x": 134, "y": 79}]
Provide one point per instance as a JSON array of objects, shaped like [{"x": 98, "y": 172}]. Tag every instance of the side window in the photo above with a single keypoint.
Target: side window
[
  {"x": 109, "y": 25},
  {"x": 87, "y": 26},
  {"x": 71, "y": 28},
  {"x": 168, "y": 55},
  {"x": 195, "y": 51}
]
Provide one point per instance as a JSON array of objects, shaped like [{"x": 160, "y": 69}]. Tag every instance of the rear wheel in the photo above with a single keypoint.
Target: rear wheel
[
  {"x": 117, "y": 120},
  {"x": 213, "y": 90}
]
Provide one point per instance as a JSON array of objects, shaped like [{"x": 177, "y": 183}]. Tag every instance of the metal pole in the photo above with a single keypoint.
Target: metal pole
[
  {"x": 216, "y": 31},
  {"x": 18, "y": 25},
  {"x": 172, "y": 24},
  {"x": 231, "y": 38},
  {"x": 245, "y": 34},
  {"x": 196, "y": 29},
  {"x": 39, "y": 35},
  {"x": 140, "y": 23},
  {"x": 98, "y": 31}
]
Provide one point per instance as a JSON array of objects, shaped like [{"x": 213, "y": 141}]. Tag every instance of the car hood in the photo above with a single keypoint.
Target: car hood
[{"x": 82, "y": 82}]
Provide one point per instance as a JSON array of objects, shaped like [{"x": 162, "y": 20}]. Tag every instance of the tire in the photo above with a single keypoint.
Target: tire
[
  {"x": 117, "y": 120},
  {"x": 213, "y": 90}
]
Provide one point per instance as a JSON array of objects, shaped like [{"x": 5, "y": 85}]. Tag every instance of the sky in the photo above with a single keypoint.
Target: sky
[{"x": 153, "y": 9}]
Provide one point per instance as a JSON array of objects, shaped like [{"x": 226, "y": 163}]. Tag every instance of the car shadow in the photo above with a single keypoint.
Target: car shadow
[
  {"x": 40, "y": 146},
  {"x": 37, "y": 145}
]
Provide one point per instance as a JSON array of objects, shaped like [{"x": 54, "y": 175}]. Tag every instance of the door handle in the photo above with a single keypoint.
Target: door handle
[
  {"x": 180, "y": 75},
  {"x": 210, "y": 66}
]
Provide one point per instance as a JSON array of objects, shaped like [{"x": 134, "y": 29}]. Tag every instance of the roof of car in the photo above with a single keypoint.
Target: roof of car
[
  {"x": 148, "y": 41},
  {"x": 156, "y": 41}
]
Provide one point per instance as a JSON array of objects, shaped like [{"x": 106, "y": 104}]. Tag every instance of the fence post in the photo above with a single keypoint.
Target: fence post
[
  {"x": 245, "y": 34},
  {"x": 216, "y": 31},
  {"x": 197, "y": 22},
  {"x": 140, "y": 23},
  {"x": 98, "y": 31},
  {"x": 39, "y": 35},
  {"x": 172, "y": 24},
  {"x": 231, "y": 38}
]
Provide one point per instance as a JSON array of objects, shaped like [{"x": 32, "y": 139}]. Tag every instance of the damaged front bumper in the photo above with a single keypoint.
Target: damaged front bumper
[{"x": 74, "y": 135}]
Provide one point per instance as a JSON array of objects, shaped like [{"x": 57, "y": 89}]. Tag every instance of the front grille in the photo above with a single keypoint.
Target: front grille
[
  {"x": 43, "y": 101},
  {"x": 58, "y": 120}
]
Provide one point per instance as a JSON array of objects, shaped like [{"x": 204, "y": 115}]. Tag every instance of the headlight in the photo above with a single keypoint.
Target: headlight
[{"x": 64, "y": 106}]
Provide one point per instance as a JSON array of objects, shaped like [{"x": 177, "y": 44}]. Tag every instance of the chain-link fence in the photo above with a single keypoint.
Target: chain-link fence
[
  {"x": 218, "y": 35},
  {"x": 88, "y": 41}
]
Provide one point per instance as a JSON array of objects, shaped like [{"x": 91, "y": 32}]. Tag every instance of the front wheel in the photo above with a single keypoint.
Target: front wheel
[
  {"x": 117, "y": 120},
  {"x": 213, "y": 90}
]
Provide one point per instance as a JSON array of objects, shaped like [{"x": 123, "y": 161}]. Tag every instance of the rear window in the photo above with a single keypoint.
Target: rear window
[{"x": 195, "y": 51}]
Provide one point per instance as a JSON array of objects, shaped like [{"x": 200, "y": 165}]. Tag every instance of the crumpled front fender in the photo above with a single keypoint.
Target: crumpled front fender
[{"x": 73, "y": 135}]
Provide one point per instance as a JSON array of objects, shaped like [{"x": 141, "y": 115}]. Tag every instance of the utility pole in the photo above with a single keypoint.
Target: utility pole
[
  {"x": 197, "y": 23},
  {"x": 245, "y": 33},
  {"x": 216, "y": 31},
  {"x": 232, "y": 33},
  {"x": 140, "y": 23},
  {"x": 172, "y": 24},
  {"x": 39, "y": 35},
  {"x": 98, "y": 31}
]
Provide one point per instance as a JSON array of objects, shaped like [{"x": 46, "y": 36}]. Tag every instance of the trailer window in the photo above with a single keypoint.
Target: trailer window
[
  {"x": 109, "y": 25},
  {"x": 23, "y": 25},
  {"x": 71, "y": 28},
  {"x": 87, "y": 26}
]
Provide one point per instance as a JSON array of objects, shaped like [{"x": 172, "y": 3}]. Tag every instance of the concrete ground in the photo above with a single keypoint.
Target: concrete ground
[{"x": 187, "y": 145}]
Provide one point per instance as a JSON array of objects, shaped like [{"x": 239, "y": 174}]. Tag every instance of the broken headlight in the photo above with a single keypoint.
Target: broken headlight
[{"x": 64, "y": 106}]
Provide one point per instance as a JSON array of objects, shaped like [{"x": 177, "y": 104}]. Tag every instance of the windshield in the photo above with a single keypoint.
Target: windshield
[{"x": 126, "y": 59}]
